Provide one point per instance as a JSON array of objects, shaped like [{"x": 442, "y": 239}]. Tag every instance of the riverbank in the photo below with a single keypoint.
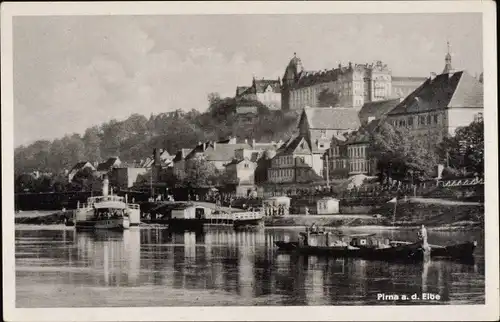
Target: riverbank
[
  {"x": 370, "y": 222},
  {"x": 56, "y": 218}
]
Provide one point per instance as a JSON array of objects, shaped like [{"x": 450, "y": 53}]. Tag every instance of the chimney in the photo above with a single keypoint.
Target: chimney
[
  {"x": 215, "y": 145},
  {"x": 246, "y": 141},
  {"x": 253, "y": 143},
  {"x": 433, "y": 75},
  {"x": 105, "y": 186}
]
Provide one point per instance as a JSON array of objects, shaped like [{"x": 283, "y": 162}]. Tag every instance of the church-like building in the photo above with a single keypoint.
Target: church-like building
[{"x": 353, "y": 85}]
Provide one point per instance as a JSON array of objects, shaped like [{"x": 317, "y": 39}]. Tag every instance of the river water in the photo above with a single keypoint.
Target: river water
[{"x": 58, "y": 267}]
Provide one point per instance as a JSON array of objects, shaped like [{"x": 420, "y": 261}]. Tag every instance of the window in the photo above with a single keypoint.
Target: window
[
  {"x": 428, "y": 119},
  {"x": 246, "y": 165},
  {"x": 410, "y": 121},
  {"x": 435, "y": 119}
]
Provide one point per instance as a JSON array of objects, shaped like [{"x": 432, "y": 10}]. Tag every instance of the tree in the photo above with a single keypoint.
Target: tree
[
  {"x": 213, "y": 98},
  {"x": 327, "y": 98},
  {"x": 135, "y": 138},
  {"x": 200, "y": 173},
  {"x": 465, "y": 150},
  {"x": 86, "y": 180},
  {"x": 399, "y": 156},
  {"x": 25, "y": 183},
  {"x": 92, "y": 142}
]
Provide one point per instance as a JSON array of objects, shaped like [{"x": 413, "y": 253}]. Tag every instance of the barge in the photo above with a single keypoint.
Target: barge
[{"x": 367, "y": 246}]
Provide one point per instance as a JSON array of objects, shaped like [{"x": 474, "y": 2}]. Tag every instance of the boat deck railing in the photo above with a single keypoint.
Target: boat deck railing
[
  {"x": 235, "y": 216},
  {"x": 93, "y": 200},
  {"x": 247, "y": 215}
]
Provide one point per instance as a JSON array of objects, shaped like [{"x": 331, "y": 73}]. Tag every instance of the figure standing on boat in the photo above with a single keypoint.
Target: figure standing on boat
[{"x": 423, "y": 236}]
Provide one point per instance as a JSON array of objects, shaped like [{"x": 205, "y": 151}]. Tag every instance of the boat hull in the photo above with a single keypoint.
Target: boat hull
[
  {"x": 413, "y": 252},
  {"x": 458, "y": 251},
  {"x": 110, "y": 224},
  {"x": 408, "y": 251},
  {"x": 244, "y": 223}
]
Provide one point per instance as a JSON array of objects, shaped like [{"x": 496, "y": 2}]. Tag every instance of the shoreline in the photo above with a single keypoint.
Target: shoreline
[
  {"x": 385, "y": 228},
  {"x": 25, "y": 226}
]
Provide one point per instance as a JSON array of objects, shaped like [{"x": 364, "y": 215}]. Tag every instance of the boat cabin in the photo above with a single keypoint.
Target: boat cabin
[
  {"x": 185, "y": 211},
  {"x": 367, "y": 241},
  {"x": 321, "y": 239},
  {"x": 109, "y": 213}
]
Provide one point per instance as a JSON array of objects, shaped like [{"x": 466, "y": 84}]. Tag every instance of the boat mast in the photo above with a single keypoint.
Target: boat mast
[{"x": 394, "y": 212}]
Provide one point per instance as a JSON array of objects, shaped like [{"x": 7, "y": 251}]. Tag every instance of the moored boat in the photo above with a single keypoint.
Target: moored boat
[
  {"x": 105, "y": 212},
  {"x": 463, "y": 250},
  {"x": 367, "y": 246}
]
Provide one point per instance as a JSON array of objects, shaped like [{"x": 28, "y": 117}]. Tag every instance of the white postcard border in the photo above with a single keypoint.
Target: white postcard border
[{"x": 489, "y": 311}]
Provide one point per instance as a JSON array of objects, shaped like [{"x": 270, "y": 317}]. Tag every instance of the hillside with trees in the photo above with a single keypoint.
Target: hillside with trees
[{"x": 133, "y": 139}]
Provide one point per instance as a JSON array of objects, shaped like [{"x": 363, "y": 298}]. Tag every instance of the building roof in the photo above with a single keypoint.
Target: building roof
[
  {"x": 181, "y": 154},
  {"x": 444, "y": 91},
  {"x": 108, "y": 164},
  {"x": 408, "y": 79},
  {"x": 241, "y": 89},
  {"x": 377, "y": 109},
  {"x": 262, "y": 84},
  {"x": 238, "y": 161},
  {"x": 363, "y": 135},
  {"x": 296, "y": 144},
  {"x": 217, "y": 151},
  {"x": 265, "y": 145},
  {"x": 308, "y": 78},
  {"x": 331, "y": 118},
  {"x": 223, "y": 152},
  {"x": 81, "y": 165}
]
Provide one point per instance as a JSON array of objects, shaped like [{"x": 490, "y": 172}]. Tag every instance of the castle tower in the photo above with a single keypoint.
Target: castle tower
[
  {"x": 447, "y": 59},
  {"x": 292, "y": 74}
]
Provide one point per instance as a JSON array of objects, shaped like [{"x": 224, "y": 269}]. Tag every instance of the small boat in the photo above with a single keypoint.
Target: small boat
[
  {"x": 361, "y": 246},
  {"x": 367, "y": 246},
  {"x": 457, "y": 251}
]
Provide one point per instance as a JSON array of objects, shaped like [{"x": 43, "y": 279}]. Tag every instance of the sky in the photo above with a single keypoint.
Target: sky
[{"x": 73, "y": 72}]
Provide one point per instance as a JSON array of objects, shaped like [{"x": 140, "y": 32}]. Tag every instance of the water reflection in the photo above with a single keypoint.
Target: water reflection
[{"x": 242, "y": 267}]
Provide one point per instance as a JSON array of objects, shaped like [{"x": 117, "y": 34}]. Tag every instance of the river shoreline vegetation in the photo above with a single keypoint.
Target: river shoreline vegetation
[{"x": 134, "y": 138}]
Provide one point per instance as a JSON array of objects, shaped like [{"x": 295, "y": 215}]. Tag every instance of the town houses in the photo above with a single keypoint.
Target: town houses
[{"x": 329, "y": 142}]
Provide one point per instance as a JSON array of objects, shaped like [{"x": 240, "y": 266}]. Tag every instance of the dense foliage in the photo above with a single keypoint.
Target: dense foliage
[
  {"x": 401, "y": 157},
  {"x": 134, "y": 138},
  {"x": 464, "y": 152}
]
